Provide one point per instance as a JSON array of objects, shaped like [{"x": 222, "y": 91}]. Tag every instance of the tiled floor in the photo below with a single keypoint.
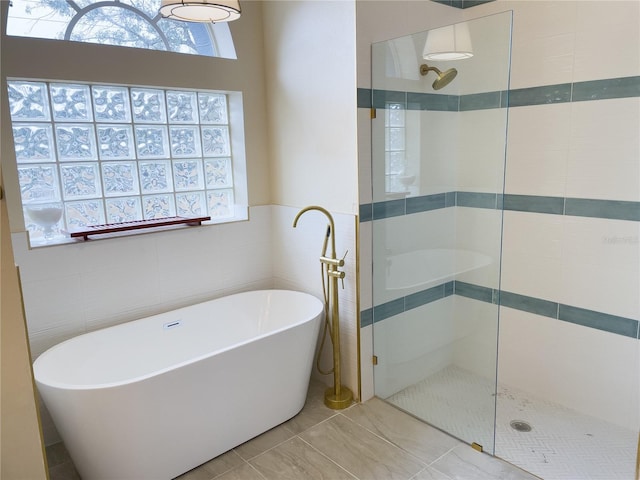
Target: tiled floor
[
  {"x": 562, "y": 445},
  {"x": 367, "y": 441}
]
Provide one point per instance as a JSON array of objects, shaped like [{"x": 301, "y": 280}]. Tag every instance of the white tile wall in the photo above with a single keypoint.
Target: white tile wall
[
  {"x": 479, "y": 230},
  {"x": 601, "y": 265},
  {"x": 403, "y": 234},
  {"x": 436, "y": 143},
  {"x": 532, "y": 255},
  {"x": 607, "y": 40},
  {"x": 476, "y": 336},
  {"x": 604, "y": 150},
  {"x": 543, "y": 43},
  {"x": 71, "y": 289},
  {"x": 590, "y": 371},
  {"x": 413, "y": 345},
  {"x": 582, "y": 150},
  {"x": 537, "y": 148},
  {"x": 481, "y": 160}
]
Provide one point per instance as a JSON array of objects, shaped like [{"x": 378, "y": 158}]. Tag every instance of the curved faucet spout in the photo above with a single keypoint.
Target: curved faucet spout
[{"x": 331, "y": 231}]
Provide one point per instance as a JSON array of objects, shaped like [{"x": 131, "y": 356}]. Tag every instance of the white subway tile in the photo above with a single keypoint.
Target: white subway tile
[
  {"x": 603, "y": 155},
  {"x": 601, "y": 265},
  {"x": 593, "y": 372},
  {"x": 607, "y": 40},
  {"x": 542, "y": 61}
]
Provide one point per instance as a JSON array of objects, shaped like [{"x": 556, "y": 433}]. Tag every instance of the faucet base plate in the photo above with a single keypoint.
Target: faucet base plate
[{"x": 340, "y": 401}]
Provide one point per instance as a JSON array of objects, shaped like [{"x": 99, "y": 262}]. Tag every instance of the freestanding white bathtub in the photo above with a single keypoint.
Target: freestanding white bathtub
[{"x": 156, "y": 397}]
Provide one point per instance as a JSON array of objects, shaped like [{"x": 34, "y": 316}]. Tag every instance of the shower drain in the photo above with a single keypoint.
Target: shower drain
[{"x": 520, "y": 426}]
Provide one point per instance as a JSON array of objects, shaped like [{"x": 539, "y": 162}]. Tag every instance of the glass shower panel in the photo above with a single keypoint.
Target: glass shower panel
[{"x": 438, "y": 173}]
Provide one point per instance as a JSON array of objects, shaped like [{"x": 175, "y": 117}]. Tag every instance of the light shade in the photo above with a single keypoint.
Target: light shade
[
  {"x": 201, "y": 11},
  {"x": 452, "y": 42}
]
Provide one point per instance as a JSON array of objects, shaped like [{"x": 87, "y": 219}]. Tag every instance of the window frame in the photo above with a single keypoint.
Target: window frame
[
  {"x": 219, "y": 44},
  {"x": 102, "y": 196}
]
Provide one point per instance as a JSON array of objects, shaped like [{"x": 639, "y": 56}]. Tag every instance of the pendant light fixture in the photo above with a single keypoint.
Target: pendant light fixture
[
  {"x": 452, "y": 42},
  {"x": 204, "y": 11}
]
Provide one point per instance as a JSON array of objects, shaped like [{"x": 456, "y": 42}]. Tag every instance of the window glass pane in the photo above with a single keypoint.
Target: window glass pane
[
  {"x": 126, "y": 23},
  {"x": 158, "y": 206},
  {"x": 115, "y": 142},
  {"x": 76, "y": 142},
  {"x": 28, "y": 101},
  {"x": 111, "y": 104},
  {"x": 80, "y": 180},
  {"x": 185, "y": 141},
  {"x": 120, "y": 178},
  {"x": 33, "y": 142},
  {"x": 38, "y": 183},
  {"x": 85, "y": 213},
  {"x": 220, "y": 203},
  {"x": 218, "y": 172},
  {"x": 110, "y": 25},
  {"x": 148, "y": 105},
  {"x": 213, "y": 108},
  {"x": 124, "y": 209},
  {"x": 215, "y": 141},
  {"x": 71, "y": 103},
  {"x": 155, "y": 176},
  {"x": 152, "y": 142},
  {"x": 119, "y": 172},
  {"x": 182, "y": 107},
  {"x": 187, "y": 175},
  {"x": 190, "y": 204}
]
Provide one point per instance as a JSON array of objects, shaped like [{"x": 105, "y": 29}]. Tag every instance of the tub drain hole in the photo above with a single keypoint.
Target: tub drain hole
[{"x": 520, "y": 425}]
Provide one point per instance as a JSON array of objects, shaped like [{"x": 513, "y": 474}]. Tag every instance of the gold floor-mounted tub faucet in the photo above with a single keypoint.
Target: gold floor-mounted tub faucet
[{"x": 338, "y": 396}]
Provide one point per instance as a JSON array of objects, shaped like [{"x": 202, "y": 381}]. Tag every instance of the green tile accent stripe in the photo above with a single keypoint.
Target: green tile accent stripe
[
  {"x": 612, "y": 209},
  {"x": 477, "y": 292},
  {"x": 606, "y": 89},
  {"x": 548, "y": 94},
  {"x": 409, "y": 302},
  {"x": 577, "y": 207},
  {"x": 535, "y": 204},
  {"x": 366, "y": 317},
  {"x": 477, "y": 199},
  {"x": 601, "y": 321},
  {"x": 605, "y": 322}
]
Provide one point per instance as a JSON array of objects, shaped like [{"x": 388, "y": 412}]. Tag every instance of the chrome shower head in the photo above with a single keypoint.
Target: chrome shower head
[{"x": 444, "y": 78}]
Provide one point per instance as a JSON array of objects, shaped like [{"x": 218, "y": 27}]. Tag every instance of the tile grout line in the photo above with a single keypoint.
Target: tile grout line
[
  {"x": 329, "y": 458},
  {"x": 416, "y": 458}
]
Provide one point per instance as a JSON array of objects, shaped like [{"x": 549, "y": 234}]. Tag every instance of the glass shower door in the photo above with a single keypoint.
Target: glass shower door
[{"x": 438, "y": 145}]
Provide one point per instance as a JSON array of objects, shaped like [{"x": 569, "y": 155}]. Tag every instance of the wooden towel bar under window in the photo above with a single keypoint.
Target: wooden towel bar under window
[{"x": 136, "y": 225}]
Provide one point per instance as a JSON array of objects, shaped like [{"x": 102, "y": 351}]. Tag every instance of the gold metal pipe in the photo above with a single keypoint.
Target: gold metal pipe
[{"x": 339, "y": 396}]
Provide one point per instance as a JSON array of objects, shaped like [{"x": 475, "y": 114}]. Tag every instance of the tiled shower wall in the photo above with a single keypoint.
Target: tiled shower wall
[{"x": 570, "y": 261}]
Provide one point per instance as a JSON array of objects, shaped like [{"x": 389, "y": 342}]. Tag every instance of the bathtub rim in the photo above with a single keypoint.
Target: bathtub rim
[{"x": 176, "y": 366}]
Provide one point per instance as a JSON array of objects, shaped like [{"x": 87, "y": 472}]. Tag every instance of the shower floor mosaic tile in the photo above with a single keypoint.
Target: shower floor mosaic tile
[
  {"x": 367, "y": 441},
  {"x": 562, "y": 444}
]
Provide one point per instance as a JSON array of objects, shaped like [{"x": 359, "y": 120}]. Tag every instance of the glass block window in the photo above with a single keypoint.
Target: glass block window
[
  {"x": 94, "y": 154},
  {"x": 396, "y": 167},
  {"x": 124, "y": 23}
]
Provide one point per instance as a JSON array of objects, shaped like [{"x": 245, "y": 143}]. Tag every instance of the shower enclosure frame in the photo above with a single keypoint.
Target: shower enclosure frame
[{"x": 434, "y": 223}]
